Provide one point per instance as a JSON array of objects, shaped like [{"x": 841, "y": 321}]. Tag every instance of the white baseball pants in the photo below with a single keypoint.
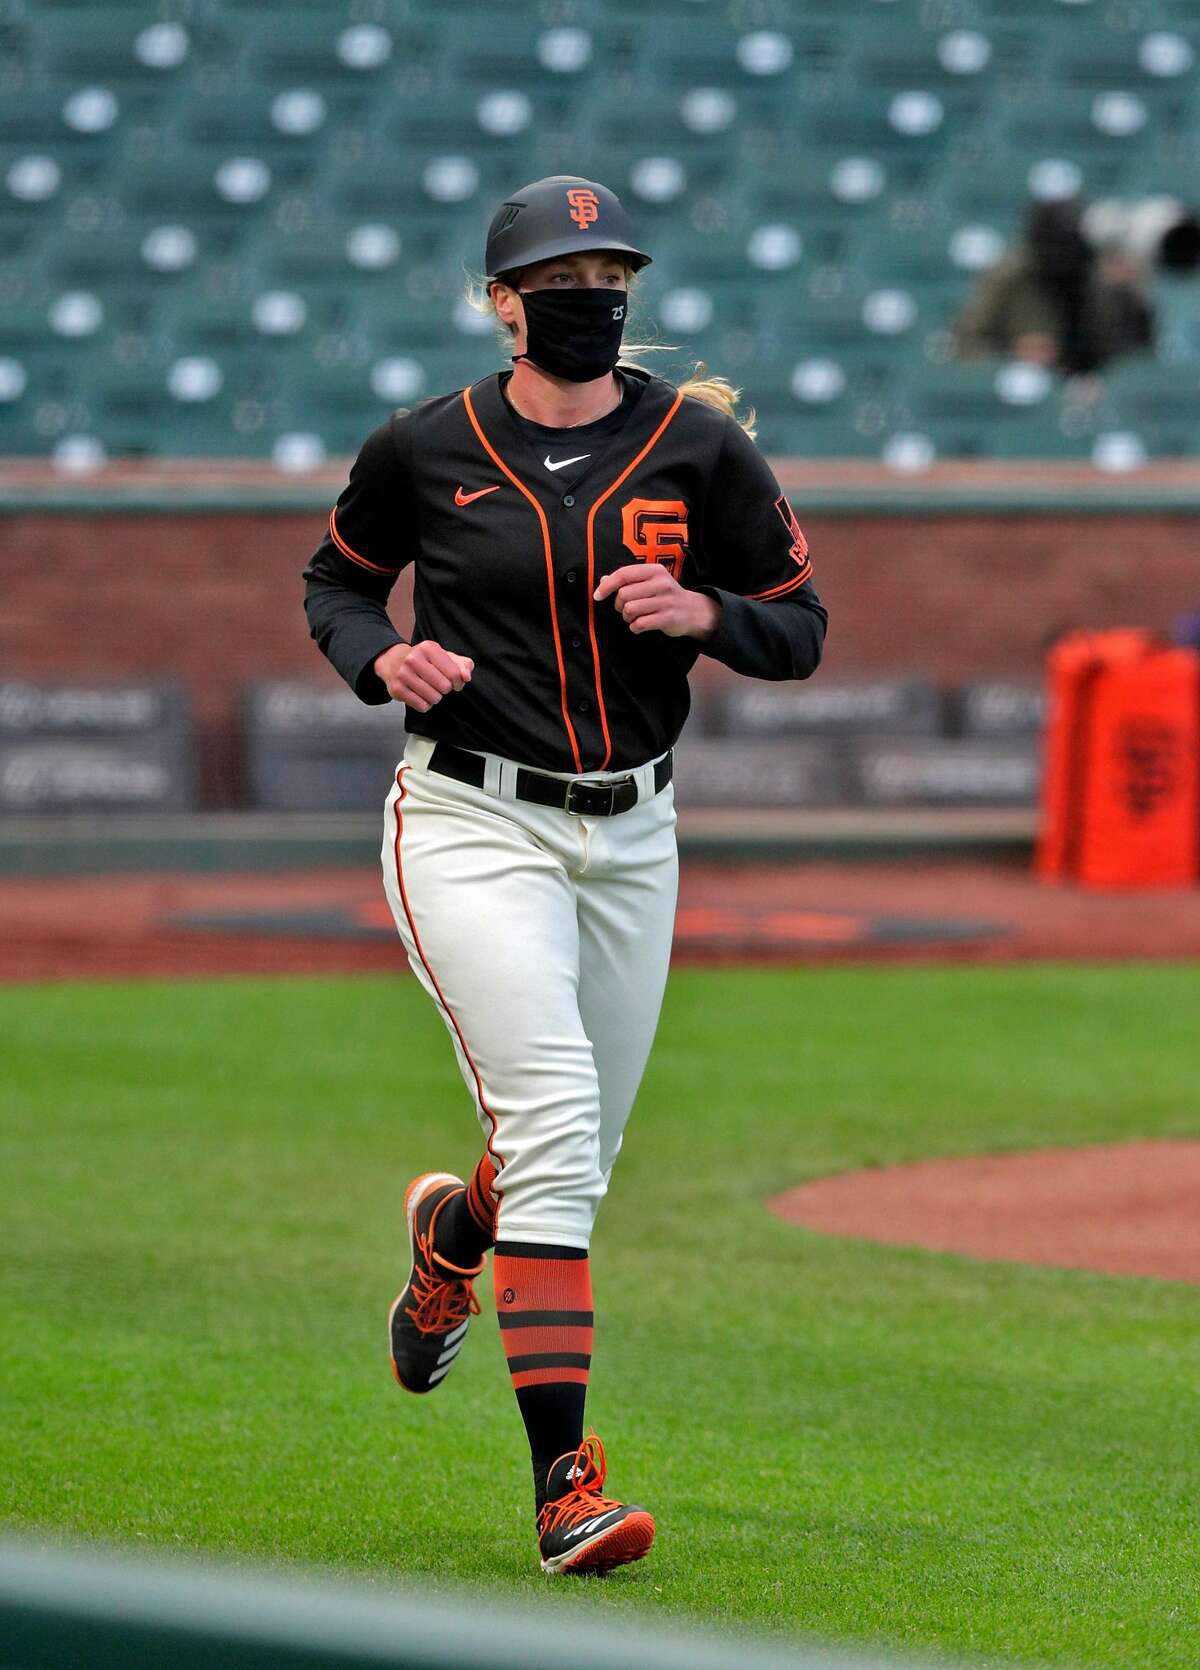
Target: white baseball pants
[{"x": 544, "y": 939}]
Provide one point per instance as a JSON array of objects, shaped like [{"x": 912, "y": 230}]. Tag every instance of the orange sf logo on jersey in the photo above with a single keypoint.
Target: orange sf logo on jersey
[
  {"x": 656, "y": 531},
  {"x": 585, "y": 206}
]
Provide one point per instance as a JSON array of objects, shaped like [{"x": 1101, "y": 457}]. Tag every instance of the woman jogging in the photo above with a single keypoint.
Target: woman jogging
[{"x": 581, "y": 532}]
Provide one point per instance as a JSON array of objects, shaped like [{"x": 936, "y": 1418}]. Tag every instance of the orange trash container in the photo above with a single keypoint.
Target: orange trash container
[{"x": 1121, "y": 785}]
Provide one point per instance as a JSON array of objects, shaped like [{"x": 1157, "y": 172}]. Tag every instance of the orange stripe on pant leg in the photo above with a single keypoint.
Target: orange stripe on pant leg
[{"x": 412, "y": 928}]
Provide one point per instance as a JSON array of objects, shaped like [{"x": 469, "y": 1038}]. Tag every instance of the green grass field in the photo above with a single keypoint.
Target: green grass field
[{"x": 202, "y": 1232}]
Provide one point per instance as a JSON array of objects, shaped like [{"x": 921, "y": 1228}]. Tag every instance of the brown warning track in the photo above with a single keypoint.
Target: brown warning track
[
  {"x": 335, "y": 921},
  {"x": 1128, "y": 1209}
]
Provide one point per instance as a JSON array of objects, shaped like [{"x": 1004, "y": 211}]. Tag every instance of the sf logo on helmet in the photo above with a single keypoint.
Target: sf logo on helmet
[
  {"x": 585, "y": 206},
  {"x": 656, "y": 531}
]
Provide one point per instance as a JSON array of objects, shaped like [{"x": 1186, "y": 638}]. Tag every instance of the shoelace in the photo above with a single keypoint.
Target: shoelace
[
  {"x": 584, "y": 1499},
  {"x": 441, "y": 1301}
]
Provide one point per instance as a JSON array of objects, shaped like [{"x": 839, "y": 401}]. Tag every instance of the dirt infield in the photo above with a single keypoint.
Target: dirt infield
[
  {"x": 335, "y": 920},
  {"x": 1128, "y": 1209}
]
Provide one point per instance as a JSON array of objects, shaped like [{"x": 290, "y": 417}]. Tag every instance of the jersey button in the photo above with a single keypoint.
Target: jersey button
[
  {"x": 569, "y": 576},
  {"x": 583, "y": 707},
  {"x": 569, "y": 500},
  {"x": 576, "y": 643}
]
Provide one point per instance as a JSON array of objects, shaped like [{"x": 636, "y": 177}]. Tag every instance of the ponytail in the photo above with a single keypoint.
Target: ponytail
[{"x": 720, "y": 393}]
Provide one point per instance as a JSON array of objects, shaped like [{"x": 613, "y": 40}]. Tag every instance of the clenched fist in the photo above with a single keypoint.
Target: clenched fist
[
  {"x": 651, "y": 600},
  {"x": 419, "y": 675}
]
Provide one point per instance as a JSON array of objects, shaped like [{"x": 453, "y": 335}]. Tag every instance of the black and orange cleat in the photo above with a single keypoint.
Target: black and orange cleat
[
  {"x": 429, "y": 1319},
  {"x": 582, "y": 1531}
]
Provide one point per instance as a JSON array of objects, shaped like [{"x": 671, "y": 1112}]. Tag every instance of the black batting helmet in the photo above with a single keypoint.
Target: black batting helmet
[{"x": 562, "y": 215}]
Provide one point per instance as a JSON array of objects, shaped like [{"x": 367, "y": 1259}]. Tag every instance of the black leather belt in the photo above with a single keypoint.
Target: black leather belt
[{"x": 585, "y": 799}]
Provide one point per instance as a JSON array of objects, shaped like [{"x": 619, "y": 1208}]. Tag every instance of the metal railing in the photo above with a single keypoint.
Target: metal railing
[{"x": 63, "y": 1610}]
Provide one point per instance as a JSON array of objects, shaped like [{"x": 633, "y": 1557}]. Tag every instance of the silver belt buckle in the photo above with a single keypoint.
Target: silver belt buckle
[{"x": 593, "y": 800}]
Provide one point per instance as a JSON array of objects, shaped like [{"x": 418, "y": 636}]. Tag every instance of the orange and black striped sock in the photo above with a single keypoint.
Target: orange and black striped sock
[
  {"x": 466, "y": 1224},
  {"x": 544, "y": 1305}
]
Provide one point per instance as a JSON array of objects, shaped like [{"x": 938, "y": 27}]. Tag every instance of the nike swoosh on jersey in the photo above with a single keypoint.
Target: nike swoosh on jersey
[
  {"x": 563, "y": 462},
  {"x": 467, "y": 498}
]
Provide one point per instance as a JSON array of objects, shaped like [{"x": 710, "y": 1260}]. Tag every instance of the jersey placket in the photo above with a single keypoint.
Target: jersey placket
[
  {"x": 568, "y": 520},
  {"x": 562, "y": 513},
  {"x": 584, "y": 695},
  {"x": 571, "y": 506}
]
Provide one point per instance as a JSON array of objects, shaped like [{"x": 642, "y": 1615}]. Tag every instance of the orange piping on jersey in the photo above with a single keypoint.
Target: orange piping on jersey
[
  {"x": 541, "y": 516},
  {"x": 420, "y": 949},
  {"x": 779, "y": 591},
  {"x": 353, "y": 555},
  {"x": 591, "y": 551}
]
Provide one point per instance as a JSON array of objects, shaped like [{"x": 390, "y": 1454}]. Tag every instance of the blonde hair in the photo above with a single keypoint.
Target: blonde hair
[
  {"x": 701, "y": 385},
  {"x": 720, "y": 393}
]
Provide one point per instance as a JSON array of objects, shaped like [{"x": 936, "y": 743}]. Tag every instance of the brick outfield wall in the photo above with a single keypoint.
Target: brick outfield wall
[{"x": 215, "y": 600}]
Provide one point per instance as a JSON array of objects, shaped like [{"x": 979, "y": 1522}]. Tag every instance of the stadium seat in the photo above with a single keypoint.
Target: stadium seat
[
  {"x": 965, "y": 60},
  {"x": 19, "y": 436},
  {"x": 809, "y": 437},
  {"x": 197, "y": 320},
  {"x": 524, "y": 53},
  {"x": 337, "y": 405},
  {"x": 33, "y": 119},
  {"x": 236, "y": 124},
  {"x": 768, "y": 61},
  {"x": 1156, "y": 64},
  {"x": 201, "y": 186},
  {"x": 416, "y": 323},
  {"x": 430, "y": 181},
  {"x": 1157, "y": 404},
  {"x": 1176, "y": 320},
  {"x": 992, "y": 186},
  {"x": 126, "y": 258},
  {"x": 1074, "y": 119},
  {"x": 1079, "y": 18},
  {"x": 294, "y": 46},
  {"x": 1039, "y": 437},
  {"x": 120, "y": 46},
  {"x": 995, "y": 409}
]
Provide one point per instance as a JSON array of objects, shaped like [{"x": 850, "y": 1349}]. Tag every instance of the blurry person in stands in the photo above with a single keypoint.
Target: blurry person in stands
[{"x": 1055, "y": 300}]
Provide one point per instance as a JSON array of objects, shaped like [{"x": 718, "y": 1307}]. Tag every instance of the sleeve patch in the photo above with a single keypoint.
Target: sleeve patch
[{"x": 799, "y": 550}]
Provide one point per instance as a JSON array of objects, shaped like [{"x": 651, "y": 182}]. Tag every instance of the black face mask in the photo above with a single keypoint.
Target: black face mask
[{"x": 573, "y": 334}]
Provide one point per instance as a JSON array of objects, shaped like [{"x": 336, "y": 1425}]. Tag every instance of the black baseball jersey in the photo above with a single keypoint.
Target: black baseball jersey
[{"x": 510, "y": 532}]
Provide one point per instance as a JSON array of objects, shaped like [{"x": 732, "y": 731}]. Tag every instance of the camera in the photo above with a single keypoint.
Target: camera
[{"x": 1153, "y": 232}]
